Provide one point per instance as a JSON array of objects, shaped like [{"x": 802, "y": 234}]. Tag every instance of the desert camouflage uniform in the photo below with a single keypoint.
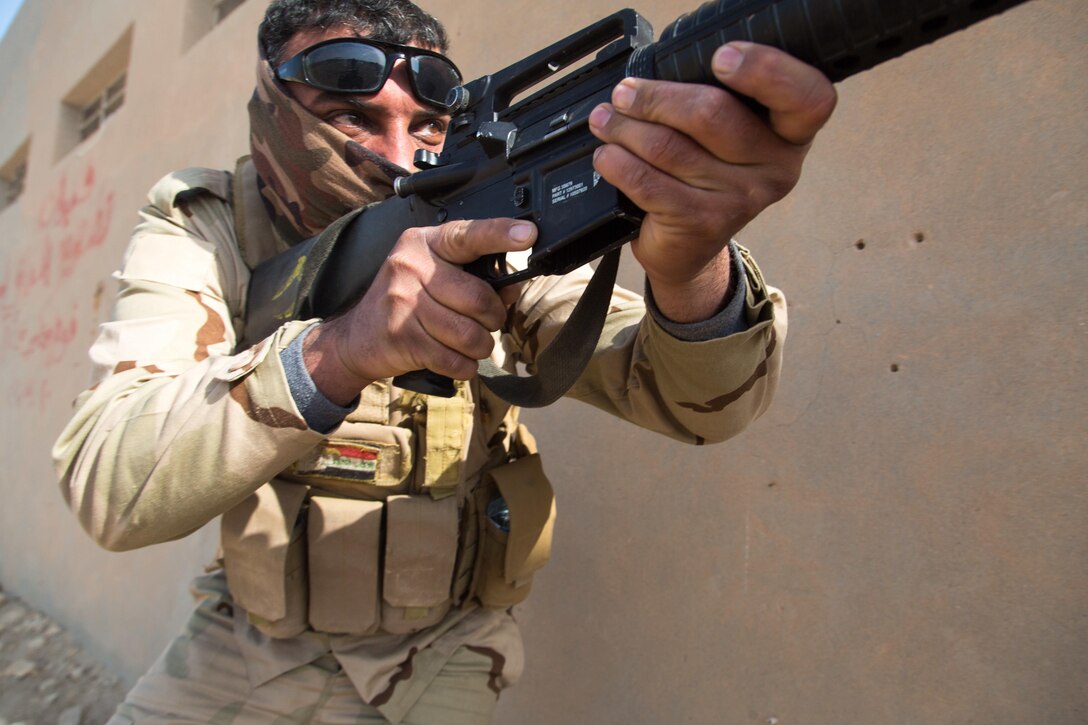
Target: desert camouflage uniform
[{"x": 181, "y": 427}]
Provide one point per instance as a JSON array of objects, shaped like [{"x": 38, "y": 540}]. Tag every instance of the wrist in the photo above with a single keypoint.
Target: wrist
[
  {"x": 331, "y": 373},
  {"x": 699, "y": 297}
]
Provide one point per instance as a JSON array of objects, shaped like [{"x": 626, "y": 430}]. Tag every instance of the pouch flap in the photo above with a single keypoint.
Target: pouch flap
[
  {"x": 344, "y": 536},
  {"x": 373, "y": 404},
  {"x": 420, "y": 550},
  {"x": 447, "y": 423},
  {"x": 256, "y": 537},
  {"x": 531, "y": 501}
]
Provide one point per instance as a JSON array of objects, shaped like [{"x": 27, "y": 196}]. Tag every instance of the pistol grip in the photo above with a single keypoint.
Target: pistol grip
[{"x": 426, "y": 382}]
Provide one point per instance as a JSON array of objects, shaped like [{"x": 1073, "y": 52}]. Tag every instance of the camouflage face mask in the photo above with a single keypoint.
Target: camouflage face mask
[{"x": 309, "y": 173}]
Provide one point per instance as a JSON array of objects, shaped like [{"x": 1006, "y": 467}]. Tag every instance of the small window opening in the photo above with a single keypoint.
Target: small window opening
[
  {"x": 13, "y": 176},
  {"x": 202, "y": 16},
  {"x": 102, "y": 107},
  {"x": 223, "y": 8},
  {"x": 99, "y": 94}
]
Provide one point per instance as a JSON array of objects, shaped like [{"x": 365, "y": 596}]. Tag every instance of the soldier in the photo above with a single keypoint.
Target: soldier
[{"x": 361, "y": 577}]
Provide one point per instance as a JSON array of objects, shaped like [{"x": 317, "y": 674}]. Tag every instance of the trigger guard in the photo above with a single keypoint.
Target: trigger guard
[{"x": 491, "y": 268}]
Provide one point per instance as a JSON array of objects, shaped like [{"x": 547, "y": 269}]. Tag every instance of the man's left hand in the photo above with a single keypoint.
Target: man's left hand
[{"x": 702, "y": 164}]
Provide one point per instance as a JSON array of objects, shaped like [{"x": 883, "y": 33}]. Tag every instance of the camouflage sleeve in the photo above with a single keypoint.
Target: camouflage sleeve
[
  {"x": 178, "y": 426},
  {"x": 697, "y": 392}
]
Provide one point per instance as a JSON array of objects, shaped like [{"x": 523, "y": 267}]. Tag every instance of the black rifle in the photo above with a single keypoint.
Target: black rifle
[{"x": 533, "y": 159}]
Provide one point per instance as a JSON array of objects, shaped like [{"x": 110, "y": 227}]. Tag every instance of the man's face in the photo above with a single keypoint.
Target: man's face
[{"x": 391, "y": 122}]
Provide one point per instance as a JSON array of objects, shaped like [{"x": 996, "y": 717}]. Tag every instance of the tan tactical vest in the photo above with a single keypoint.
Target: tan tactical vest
[{"x": 384, "y": 526}]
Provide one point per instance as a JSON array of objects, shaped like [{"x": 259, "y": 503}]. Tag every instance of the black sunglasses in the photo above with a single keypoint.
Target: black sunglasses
[{"x": 359, "y": 65}]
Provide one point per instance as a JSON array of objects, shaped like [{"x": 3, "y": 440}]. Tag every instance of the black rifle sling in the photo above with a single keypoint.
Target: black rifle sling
[
  {"x": 285, "y": 287},
  {"x": 561, "y": 363},
  {"x": 318, "y": 288}
]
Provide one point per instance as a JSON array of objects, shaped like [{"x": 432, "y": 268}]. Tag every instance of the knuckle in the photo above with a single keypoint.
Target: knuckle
[
  {"x": 782, "y": 177},
  {"x": 492, "y": 311},
  {"x": 494, "y": 232},
  {"x": 762, "y": 195},
  {"x": 647, "y": 98},
  {"x": 452, "y": 237},
  {"x": 722, "y": 121},
  {"x": 662, "y": 146},
  {"x": 458, "y": 333},
  {"x": 641, "y": 177},
  {"x": 481, "y": 236},
  {"x": 765, "y": 62},
  {"x": 402, "y": 264},
  {"x": 820, "y": 101},
  {"x": 413, "y": 238},
  {"x": 446, "y": 362},
  {"x": 453, "y": 363},
  {"x": 710, "y": 107},
  {"x": 466, "y": 369},
  {"x": 479, "y": 300},
  {"x": 481, "y": 346}
]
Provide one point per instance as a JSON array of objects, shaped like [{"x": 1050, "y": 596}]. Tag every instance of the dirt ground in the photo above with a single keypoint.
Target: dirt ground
[{"x": 45, "y": 677}]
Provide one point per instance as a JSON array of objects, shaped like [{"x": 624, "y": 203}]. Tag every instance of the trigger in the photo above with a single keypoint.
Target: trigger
[{"x": 491, "y": 268}]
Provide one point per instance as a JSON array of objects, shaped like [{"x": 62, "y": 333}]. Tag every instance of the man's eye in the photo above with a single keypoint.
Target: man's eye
[
  {"x": 346, "y": 119},
  {"x": 432, "y": 129}
]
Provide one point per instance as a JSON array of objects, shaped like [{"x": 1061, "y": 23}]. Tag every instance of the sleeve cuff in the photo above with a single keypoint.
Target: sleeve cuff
[
  {"x": 320, "y": 413},
  {"x": 728, "y": 321}
]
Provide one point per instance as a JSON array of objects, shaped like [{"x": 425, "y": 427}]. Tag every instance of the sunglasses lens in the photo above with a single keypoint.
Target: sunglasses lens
[
  {"x": 434, "y": 78},
  {"x": 352, "y": 68}
]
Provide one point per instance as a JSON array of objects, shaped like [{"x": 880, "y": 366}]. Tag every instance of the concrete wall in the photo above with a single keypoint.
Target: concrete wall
[
  {"x": 185, "y": 105},
  {"x": 901, "y": 539}
]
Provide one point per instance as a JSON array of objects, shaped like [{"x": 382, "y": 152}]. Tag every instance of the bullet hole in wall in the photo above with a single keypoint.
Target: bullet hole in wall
[
  {"x": 859, "y": 244},
  {"x": 99, "y": 290}
]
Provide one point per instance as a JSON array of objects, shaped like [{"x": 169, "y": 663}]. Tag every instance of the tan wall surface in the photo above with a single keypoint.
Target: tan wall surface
[
  {"x": 61, "y": 241},
  {"x": 901, "y": 539}
]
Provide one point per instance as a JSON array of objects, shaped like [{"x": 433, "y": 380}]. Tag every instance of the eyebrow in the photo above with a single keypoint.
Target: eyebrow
[{"x": 327, "y": 97}]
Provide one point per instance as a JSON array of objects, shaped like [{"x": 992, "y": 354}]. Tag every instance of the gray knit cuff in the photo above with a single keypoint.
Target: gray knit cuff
[
  {"x": 320, "y": 413},
  {"x": 727, "y": 322}
]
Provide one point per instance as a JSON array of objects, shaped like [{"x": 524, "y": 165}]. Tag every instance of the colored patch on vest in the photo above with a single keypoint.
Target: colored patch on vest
[{"x": 344, "y": 460}]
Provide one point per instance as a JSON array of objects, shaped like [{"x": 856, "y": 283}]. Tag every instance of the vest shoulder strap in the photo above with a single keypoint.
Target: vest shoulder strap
[{"x": 257, "y": 239}]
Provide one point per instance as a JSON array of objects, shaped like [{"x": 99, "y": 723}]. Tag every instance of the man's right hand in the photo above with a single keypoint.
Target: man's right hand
[{"x": 423, "y": 310}]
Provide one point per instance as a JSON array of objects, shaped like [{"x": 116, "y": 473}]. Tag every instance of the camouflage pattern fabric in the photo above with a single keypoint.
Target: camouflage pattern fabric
[
  {"x": 310, "y": 173},
  {"x": 179, "y": 426}
]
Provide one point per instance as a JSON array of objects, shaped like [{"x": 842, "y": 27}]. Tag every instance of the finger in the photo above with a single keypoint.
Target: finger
[
  {"x": 713, "y": 118},
  {"x": 458, "y": 333},
  {"x": 650, "y": 188},
  {"x": 510, "y": 294},
  {"x": 468, "y": 296},
  {"x": 461, "y": 242},
  {"x": 799, "y": 97},
  {"x": 668, "y": 140},
  {"x": 444, "y": 360},
  {"x": 415, "y": 270},
  {"x": 429, "y": 334},
  {"x": 684, "y": 227},
  {"x": 708, "y": 213}
]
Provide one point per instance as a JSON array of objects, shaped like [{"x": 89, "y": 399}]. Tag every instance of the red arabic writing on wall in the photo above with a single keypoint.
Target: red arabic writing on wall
[
  {"x": 73, "y": 220},
  {"x": 49, "y": 338}
]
